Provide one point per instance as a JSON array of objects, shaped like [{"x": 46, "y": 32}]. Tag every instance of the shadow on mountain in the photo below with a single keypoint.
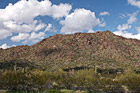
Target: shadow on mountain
[
  {"x": 110, "y": 71},
  {"x": 46, "y": 52},
  {"x": 18, "y": 63},
  {"x": 75, "y": 69},
  {"x": 99, "y": 70}
]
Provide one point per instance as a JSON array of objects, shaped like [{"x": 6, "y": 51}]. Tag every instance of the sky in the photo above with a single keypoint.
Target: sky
[{"x": 26, "y": 22}]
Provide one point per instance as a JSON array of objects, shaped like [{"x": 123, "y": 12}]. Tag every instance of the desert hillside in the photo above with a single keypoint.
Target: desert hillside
[{"x": 103, "y": 49}]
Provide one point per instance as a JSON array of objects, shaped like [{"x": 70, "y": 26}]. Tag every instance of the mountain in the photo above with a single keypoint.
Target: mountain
[{"x": 101, "y": 49}]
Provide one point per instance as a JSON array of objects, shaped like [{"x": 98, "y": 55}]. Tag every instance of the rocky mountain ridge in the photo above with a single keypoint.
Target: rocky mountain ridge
[{"x": 103, "y": 49}]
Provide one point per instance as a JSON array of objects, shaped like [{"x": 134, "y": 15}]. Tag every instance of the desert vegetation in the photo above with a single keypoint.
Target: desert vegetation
[{"x": 60, "y": 81}]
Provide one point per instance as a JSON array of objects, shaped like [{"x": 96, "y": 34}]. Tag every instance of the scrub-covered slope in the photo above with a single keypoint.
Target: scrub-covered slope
[{"x": 103, "y": 49}]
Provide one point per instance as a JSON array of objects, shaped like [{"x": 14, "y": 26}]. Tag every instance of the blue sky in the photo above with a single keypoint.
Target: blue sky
[{"x": 25, "y": 22}]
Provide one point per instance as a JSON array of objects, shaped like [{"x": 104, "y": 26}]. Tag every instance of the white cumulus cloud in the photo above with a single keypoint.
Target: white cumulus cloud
[
  {"x": 39, "y": 27},
  {"x": 4, "y": 46},
  {"x": 60, "y": 10},
  {"x": 127, "y": 34},
  {"x": 39, "y": 35},
  {"x": 134, "y": 3},
  {"x": 26, "y": 37},
  {"x": 132, "y": 18},
  {"x": 4, "y": 33},
  {"x": 123, "y": 27},
  {"x": 20, "y": 17},
  {"x": 34, "y": 37},
  {"x": 49, "y": 27},
  {"x": 19, "y": 37},
  {"x": 78, "y": 21},
  {"x": 91, "y": 31},
  {"x": 26, "y": 10}
]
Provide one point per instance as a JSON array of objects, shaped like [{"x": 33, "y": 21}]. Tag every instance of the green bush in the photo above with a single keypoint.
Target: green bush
[
  {"x": 131, "y": 81},
  {"x": 83, "y": 80}
]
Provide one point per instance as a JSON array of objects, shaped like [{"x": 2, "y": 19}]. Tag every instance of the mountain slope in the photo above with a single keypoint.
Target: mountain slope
[{"x": 103, "y": 49}]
